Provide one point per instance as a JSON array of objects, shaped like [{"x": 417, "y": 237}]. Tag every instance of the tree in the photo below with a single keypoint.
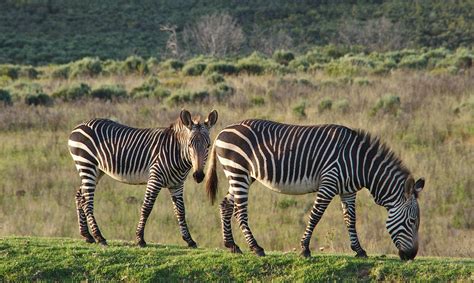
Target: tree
[{"x": 214, "y": 35}]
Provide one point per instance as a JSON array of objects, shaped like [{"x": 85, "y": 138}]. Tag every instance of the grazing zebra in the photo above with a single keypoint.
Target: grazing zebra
[
  {"x": 328, "y": 160},
  {"x": 159, "y": 158}
]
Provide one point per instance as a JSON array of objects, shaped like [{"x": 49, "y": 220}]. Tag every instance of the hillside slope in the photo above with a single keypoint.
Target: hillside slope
[
  {"x": 52, "y": 31},
  {"x": 26, "y": 259}
]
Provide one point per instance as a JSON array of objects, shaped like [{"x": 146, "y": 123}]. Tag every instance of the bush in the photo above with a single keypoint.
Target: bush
[
  {"x": 61, "y": 72},
  {"x": 342, "y": 105},
  {"x": 135, "y": 65},
  {"x": 73, "y": 93},
  {"x": 183, "y": 95},
  {"x": 109, "y": 92},
  {"x": 413, "y": 62},
  {"x": 87, "y": 67},
  {"x": 299, "y": 110},
  {"x": 194, "y": 69},
  {"x": 29, "y": 72},
  {"x": 39, "y": 99},
  {"x": 215, "y": 78},
  {"x": 11, "y": 71},
  {"x": 173, "y": 64},
  {"x": 222, "y": 91},
  {"x": 283, "y": 57},
  {"x": 5, "y": 97},
  {"x": 362, "y": 81},
  {"x": 257, "y": 101},
  {"x": 388, "y": 104},
  {"x": 325, "y": 104},
  {"x": 222, "y": 68}
]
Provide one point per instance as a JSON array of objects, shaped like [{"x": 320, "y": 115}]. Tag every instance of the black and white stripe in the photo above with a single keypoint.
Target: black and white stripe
[
  {"x": 328, "y": 160},
  {"x": 159, "y": 158}
]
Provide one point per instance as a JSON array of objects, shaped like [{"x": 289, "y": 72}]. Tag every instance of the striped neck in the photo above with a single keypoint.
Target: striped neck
[{"x": 181, "y": 134}]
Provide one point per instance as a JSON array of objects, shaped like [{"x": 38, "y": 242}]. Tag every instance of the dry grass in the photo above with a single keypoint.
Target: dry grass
[{"x": 432, "y": 131}]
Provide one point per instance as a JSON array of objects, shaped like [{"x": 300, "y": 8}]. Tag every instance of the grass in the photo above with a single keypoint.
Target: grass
[
  {"x": 429, "y": 129},
  {"x": 60, "y": 259}
]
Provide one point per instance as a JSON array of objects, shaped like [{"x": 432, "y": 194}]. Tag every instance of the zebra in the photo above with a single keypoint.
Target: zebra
[
  {"x": 328, "y": 160},
  {"x": 157, "y": 157}
]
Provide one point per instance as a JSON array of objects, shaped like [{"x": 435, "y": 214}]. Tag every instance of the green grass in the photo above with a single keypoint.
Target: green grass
[{"x": 28, "y": 258}]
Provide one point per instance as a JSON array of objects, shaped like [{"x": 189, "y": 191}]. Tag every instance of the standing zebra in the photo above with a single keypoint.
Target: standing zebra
[
  {"x": 159, "y": 158},
  {"x": 329, "y": 160}
]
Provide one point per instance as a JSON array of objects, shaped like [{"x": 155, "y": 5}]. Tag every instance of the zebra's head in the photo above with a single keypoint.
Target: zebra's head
[
  {"x": 198, "y": 141},
  {"x": 404, "y": 220}
]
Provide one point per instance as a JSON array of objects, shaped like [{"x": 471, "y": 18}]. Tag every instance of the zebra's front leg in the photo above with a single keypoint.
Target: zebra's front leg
[
  {"x": 178, "y": 202},
  {"x": 323, "y": 198},
  {"x": 227, "y": 210},
  {"x": 240, "y": 202},
  {"x": 349, "y": 211},
  {"x": 153, "y": 188}
]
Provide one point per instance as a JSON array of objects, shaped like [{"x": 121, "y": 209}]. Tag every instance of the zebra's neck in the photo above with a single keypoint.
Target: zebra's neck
[{"x": 181, "y": 134}]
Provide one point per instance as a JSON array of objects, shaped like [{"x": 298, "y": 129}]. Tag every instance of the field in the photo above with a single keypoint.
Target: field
[
  {"x": 425, "y": 115},
  {"x": 55, "y": 259}
]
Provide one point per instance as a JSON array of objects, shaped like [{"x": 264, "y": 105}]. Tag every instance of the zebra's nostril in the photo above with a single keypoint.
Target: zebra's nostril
[{"x": 198, "y": 176}]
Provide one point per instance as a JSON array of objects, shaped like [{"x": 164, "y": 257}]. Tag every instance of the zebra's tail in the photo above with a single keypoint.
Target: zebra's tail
[{"x": 212, "y": 181}]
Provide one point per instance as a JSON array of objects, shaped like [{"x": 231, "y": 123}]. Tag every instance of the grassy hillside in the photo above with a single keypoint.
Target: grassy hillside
[
  {"x": 52, "y": 31},
  {"x": 58, "y": 259}
]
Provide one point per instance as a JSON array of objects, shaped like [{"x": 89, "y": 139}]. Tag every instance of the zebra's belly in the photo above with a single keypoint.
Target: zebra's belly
[
  {"x": 297, "y": 188},
  {"x": 135, "y": 178}
]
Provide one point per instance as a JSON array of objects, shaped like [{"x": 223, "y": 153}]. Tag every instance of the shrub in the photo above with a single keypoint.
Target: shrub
[
  {"x": 61, "y": 72},
  {"x": 325, "y": 104},
  {"x": 222, "y": 68},
  {"x": 389, "y": 104},
  {"x": 173, "y": 64},
  {"x": 222, "y": 91},
  {"x": 184, "y": 95},
  {"x": 194, "y": 69},
  {"x": 147, "y": 87},
  {"x": 11, "y": 71},
  {"x": 29, "y": 72},
  {"x": 73, "y": 92},
  {"x": 283, "y": 57},
  {"x": 215, "y": 78},
  {"x": 86, "y": 67},
  {"x": 39, "y": 99},
  {"x": 362, "y": 81},
  {"x": 5, "y": 97},
  {"x": 286, "y": 203},
  {"x": 413, "y": 62},
  {"x": 109, "y": 92},
  {"x": 257, "y": 101},
  {"x": 338, "y": 68},
  {"x": 299, "y": 110},
  {"x": 342, "y": 105},
  {"x": 135, "y": 65}
]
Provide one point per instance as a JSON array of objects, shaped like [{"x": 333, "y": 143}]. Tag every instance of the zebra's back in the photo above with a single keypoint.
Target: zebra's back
[
  {"x": 286, "y": 158},
  {"x": 122, "y": 152}
]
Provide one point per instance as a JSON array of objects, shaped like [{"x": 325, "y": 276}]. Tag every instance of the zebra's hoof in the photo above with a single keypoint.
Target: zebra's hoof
[
  {"x": 192, "y": 245},
  {"x": 102, "y": 242},
  {"x": 306, "y": 253},
  {"x": 141, "y": 243},
  {"x": 89, "y": 240},
  {"x": 361, "y": 254},
  {"x": 259, "y": 251}
]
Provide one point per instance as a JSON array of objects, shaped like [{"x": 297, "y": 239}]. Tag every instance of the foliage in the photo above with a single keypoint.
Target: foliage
[
  {"x": 183, "y": 95},
  {"x": 194, "y": 69},
  {"x": 215, "y": 78},
  {"x": 150, "y": 88},
  {"x": 283, "y": 57},
  {"x": 38, "y": 99},
  {"x": 221, "y": 67},
  {"x": 222, "y": 91},
  {"x": 325, "y": 104},
  {"x": 73, "y": 92},
  {"x": 389, "y": 104},
  {"x": 172, "y": 64},
  {"x": 109, "y": 92},
  {"x": 5, "y": 97},
  {"x": 299, "y": 110},
  {"x": 31, "y": 259}
]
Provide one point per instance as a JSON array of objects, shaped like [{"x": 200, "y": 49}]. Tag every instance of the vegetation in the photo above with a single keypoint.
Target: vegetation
[
  {"x": 40, "y": 32},
  {"x": 62, "y": 259}
]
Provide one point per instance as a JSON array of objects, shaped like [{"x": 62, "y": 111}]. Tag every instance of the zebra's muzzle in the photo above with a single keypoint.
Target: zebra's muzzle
[
  {"x": 198, "y": 176},
  {"x": 407, "y": 255}
]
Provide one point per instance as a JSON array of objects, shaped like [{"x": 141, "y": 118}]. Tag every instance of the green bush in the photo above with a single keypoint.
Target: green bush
[
  {"x": 325, "y": 104},
  {"x": 194, "y": 69},
  {"x": 388, "y": 104},
  {"x": 29, "y": 72},
  {"x": 39, "y": 99},
  {"x": 222, "y": 68},
  {"x": 413, "y": 62},
  {"x": 283, "y": 57},
  {"x": 215, "y": 78},
  {"x": 257, "y": 101},
  {"x": 61, "y": 72},
  {"x": 172, "y": 64},
  {"x": 342, "y": 105},
  {"x": 109, "y": 92},
  {"x": 5, "y": 97},
  {"x": 11, "y": 71},
  {"x": 362, "y": 81},
  {"x": 151, "y": 88},
  {"x": 300, "y": 110},
  {"x": 135, "y": 65},
  {"x": 73, "y": 92},
  {"x": 222, "y": 91},
  {"x": 184, "y": 95},
  {"x": 86, "y": 67}
]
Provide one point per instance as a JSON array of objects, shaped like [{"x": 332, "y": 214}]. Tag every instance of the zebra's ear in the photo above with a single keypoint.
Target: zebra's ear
[
  {"x": 211, "y": 119},
  {"x": 419, "y": 185},
  {"x": 186, "y": 119}
]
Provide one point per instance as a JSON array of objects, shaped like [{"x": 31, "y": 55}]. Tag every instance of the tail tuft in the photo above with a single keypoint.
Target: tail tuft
[{"x": 212, "y": 181}]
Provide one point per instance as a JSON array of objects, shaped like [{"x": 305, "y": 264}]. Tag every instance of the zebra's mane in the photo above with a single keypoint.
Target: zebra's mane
[{"x": 375, "y": 142}]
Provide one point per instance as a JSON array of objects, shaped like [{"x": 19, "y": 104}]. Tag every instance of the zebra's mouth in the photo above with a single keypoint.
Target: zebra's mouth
[{"x": 198, "y": 176}]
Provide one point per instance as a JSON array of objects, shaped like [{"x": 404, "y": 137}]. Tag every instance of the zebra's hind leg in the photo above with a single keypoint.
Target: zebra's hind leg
[
  {"x": 349, "y": 211},
  {"x": 226, "y": 210},
  {"x": 323, "y": 198},
  {"x": 240, "y": 192},
  {"x": 81, "y": 218},
  {"x": 87, "y": 191},
  {"x": 177, "y": 198}
]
